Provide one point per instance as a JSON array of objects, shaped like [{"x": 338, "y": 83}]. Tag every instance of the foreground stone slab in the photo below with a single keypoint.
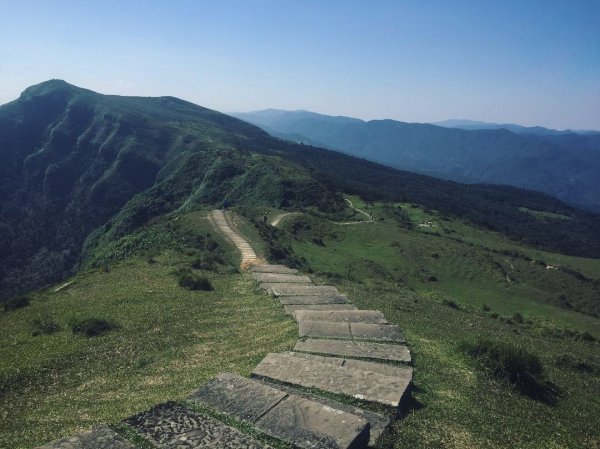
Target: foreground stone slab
[
  {"x": 299, "y": 289},
  {"x": 175, "y": 427},
  {"x": 366, "y": 350},
  {"x": 243, "y": 398},
  {"x": 272, "y": 269},
  {"x": 290, "y": 309},
  {"x": 354, "y": 316},
  {"x": 282, "y": 415},
  {"x": 313, "y": 300},
  {"x": 378, "y": 423},
  {"x": 358, "y": 383},
  {"x": 308, "y": 424},
  {"x": 99, "y": 438},
  {"x": 281, "y": 278}
]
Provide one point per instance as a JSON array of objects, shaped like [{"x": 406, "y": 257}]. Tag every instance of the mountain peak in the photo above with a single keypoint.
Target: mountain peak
[{"x": 50, "y": 87}]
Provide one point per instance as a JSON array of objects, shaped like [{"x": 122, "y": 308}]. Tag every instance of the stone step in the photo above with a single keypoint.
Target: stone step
[
  {"x": 98, "y": 438},
  {"x": 310, "y": 300},
  {"x": 366, "y": 350},
  {"x": 283, "y": 415},
  {"x": 358, "y": 331},
  {"x": 281, "y": 278},
  {"x": 173, "y": 426},
  {"x": 273, "y": 269},
  {"x": 351, "y": 316},
  {"x": 353, "y": 380},
  {"x": 378, "y": 423},
  {"x": 289, "y": 289},
  {"x": 290, "y": 309},
  {"x": 381, "y": 368}
]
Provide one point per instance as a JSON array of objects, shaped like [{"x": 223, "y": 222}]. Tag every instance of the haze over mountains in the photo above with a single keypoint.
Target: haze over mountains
[
  {"x": 80, "y": 169},
  {"x": 564, "y": 164}
]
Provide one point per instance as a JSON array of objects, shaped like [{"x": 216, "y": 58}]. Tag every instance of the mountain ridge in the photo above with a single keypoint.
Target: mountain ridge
[
  {"x": 80, "y": 169},
  {"x": 562, "y": 165}
]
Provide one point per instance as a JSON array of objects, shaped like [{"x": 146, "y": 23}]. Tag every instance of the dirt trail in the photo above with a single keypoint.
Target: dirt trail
[{"x": 219, "y": 220}]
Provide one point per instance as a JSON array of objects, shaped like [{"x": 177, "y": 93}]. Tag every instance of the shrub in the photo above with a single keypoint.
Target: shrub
[
  {"x": 192, "y": 281},
  {"x": 92, "y": 327},
  {"x": 486, "y": 308},
  {"x": 44, "y": 325},
  {"x": 451, "y": 303},
  {"x": 516, "y": 366},
  {"x": 16, "y": 303},
  {"x": 568, "y": 361},
  {"x": 518, "y": 318}
]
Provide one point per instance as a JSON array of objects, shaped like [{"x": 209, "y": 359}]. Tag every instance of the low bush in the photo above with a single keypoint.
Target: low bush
[
  {"x": 450, "y": 303},
  {"x": 514, "y": 365},
  {"x": 44, "y": 325},
  {"x": 92, "y": 327},
  {"x": 568, "y": 361},
  {"x": 192, "y": 281},
  {"x": 16, "y": 303}
]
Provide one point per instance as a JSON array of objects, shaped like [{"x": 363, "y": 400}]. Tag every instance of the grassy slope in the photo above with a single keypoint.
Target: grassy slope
[
  {"x": 171, "y": 340},
  {"x": 457, "y": 407}
]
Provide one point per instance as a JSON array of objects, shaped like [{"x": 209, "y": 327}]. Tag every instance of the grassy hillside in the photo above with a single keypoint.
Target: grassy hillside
[
  {"x": 447, "y": 284},
  {"x": 450, "y": 285},
  {"x": 562, "y": 166},
  {"x": 167, "y": 340}
]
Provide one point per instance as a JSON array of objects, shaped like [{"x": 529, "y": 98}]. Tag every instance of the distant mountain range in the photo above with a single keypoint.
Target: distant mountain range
[
  {"x": 517, "y": 129},
  {"x": 80, "y": 170},
  {"x": 564, "y": 164}
]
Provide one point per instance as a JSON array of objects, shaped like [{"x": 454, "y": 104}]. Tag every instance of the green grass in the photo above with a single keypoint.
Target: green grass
[
  {"x": 389, "y": 267},
  {"x": 170, "y": 340}
]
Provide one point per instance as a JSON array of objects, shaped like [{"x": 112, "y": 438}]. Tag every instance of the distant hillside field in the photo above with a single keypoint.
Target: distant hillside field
[{"x": 561, "y": 163}]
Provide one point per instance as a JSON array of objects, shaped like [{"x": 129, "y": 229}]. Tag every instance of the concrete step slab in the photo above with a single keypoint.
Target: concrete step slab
[
  {"x": 358, "y": 383},
  {"x": 378, "y": 423},
  {"x": 366, "y": 350},
  {"x": 273, "y": 269},
  {"x": 313, "y": 300},
  {"x": 351, "y": 316},
  {"x": 173, "y": 426},
  {"x": 381, "y": 368},
  {"x": 98, "y": 438},
  {"x": 288, "y": 417},
  {"x": 289, "y": 289},
  {"x": 385, "y": 332},
  {"x": 324, "y": 329},
  {"x": 290, "y": 309},
  {"x": 281, "y": 278}
]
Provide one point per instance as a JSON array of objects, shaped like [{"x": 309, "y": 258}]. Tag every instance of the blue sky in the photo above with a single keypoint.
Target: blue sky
[{"x": 528, "y": 62}]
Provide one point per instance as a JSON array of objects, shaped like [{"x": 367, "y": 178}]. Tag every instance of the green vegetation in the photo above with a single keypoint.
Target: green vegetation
[
  {"x": 92, "y": 327},
  {"x": 518, "y": 329},
  {"x": 170, "y": 339},
  {"x": 516, "y": 366},
  {"x": 16, "y": 303}
]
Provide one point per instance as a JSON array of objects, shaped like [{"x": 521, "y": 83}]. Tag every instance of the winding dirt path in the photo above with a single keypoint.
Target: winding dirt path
[{"x": 219, "y": 220}]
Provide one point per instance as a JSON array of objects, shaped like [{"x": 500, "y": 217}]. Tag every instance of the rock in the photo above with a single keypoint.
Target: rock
[{"x": 173, "y": 426}]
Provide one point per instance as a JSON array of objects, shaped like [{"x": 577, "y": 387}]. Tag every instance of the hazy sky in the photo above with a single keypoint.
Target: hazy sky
[{"x": 525, "y": 61}]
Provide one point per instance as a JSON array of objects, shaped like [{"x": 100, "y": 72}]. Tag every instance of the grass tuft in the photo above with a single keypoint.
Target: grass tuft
[
  {"x": 92, "y": 327},
  {"x": 16, "y": 303},
  {"x": 44, "y": 325},
  {"x": 521, "y": 369}
]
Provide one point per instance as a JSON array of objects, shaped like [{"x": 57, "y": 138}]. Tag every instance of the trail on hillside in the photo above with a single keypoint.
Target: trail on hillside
[
  {"x": 369, "y": 218},
  {"x": 275, "y": 221},
  {"x": 219, "y": 220}
]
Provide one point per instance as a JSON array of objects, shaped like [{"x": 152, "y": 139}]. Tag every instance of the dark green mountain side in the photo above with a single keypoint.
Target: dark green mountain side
[
  {"x": 79, "y": 169},
  {"x": 564, "y": 165}
]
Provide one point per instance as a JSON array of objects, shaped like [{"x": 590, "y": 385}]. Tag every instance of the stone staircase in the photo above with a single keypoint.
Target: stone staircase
[{"x": 339, "y": 388}]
